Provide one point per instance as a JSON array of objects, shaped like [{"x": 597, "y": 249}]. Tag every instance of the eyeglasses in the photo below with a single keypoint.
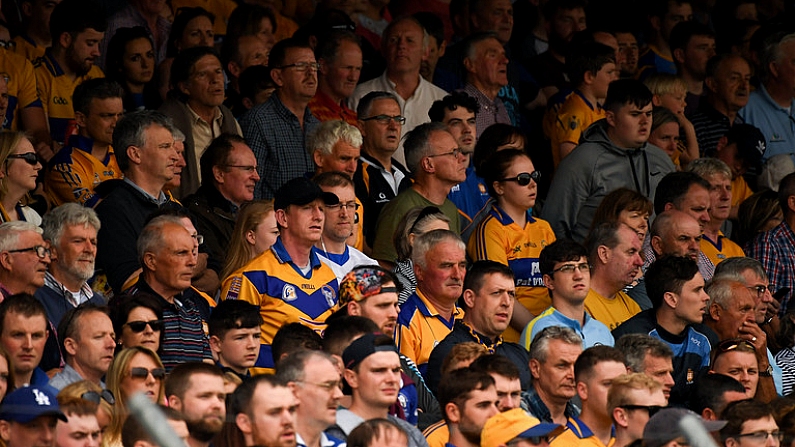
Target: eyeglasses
[
  {"x": 6, "y": 77},
  {"x": 248, "y": 169},
  {"x": 8, "y": 44},
  {"x": 302, "y": 66},
  {"x": 30, "y": 158},
  {"x": 761, "y": 436},
  {"x": 143, "y": 373},
  {"x": 652, "y": 409},
  {"x": 455, "y": 153},
  {"x": 328, "y": 386},
  {"x": 385, "y": 119},
  {"x": 93, "y": 396},
  {"x": 139, "y": 326},
  {"x": 349, "y": 206},
  {"x": 427, "y": 211},
  {"x": 41, "y": 251},
  {"x": 524, "y": 178},
  {"x": 760, "y": 289},
  {"x": 199, "y": 238},
  {"x": 570, "y": 268}
]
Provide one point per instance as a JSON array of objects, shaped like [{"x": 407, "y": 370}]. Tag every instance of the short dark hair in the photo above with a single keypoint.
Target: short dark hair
[
  {"x": 217, "y": 154},
  {"x": 183, "y": 67},
  {"x": 659, "y": 8},
  {"x": 562, "y": 250},
  {"x": 255, "y": 79},
  {"x": 99, "y": 88},
  {"x": 588, "y": 359},
  {"x": 737, "y": 413},
  {"x": 668, "y": 274},
  {"x": 120, "y": 306},
  {"x": 292, "y": 337},
  {"x": 332, "y": 179},
  {"x": 606, "y": 233},
  {"x": 70, "y": 324},
  {"x": 328, "y": 47},
  {"x": 457, "y": 386},
  {"x": 233, "y": 314},
  {"x": 627, "y": 91},
  {"x": 476, "y": 275},
  {"x": 278, "y": 53},
  {"x": 493, "y": 137},
  {"x": 786, "y": 189},
  {"x": 637, "y": 346},
  {"x": 24, "y": 304},
  {"x": 76, "y": 16},
  {"x": 366, "y": 103},
  {"x": 684, "y": 31},
  {"x": 496, "y": 364},
  {"x": 114, "y": 57},
  {"x": 451, "y": 103},
  {"x": 433, "y": 25},
  {"x": 341, "y": 330},
  {"x": 240, "y": 401},
  {"x": 131, "y": 131},
  {"x": 494, "y": 168},
  {"x": 553, "y": 6},
  {"x": 587, "y": 57},
  {"x": 708, "y": 392},
  {"x": 178, "y": 379},
  {"x": 417, "y": 143},
  {"x": 368, "y": 431},
  {"x": 674, "y": 187}
]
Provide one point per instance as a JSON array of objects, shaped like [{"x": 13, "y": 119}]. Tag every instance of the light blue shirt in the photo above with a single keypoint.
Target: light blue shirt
[
  {"x": 593, "y": 332},
  {"x": 776, "y": 123}
]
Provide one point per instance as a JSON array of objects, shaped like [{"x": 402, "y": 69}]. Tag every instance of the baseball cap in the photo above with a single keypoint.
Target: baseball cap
[
  {"x": 751, "y": 143},
  {"x": 503, "y": 427},
  {"x": 27, "y": 403},
  {"x": 364, "y": 347},
  {"x": 365, "y": 281},
  {"x": 663, "y": 427},
  {"x": 301, "y": 191}
]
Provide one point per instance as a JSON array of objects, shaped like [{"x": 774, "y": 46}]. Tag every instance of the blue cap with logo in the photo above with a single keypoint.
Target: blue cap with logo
[{"x": 27, "y": 403}]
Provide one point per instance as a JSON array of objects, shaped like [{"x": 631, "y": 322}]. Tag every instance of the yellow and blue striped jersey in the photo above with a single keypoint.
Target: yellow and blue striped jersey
[
  {"x": 21, "y": 87},
  {"x": 74, "y": 173},
  {"x": 284, "y": 295},
  {"x": 55, "y": 90},
  {"x": 721, "y": 249},
  {"x": 420, "y": 328},
  {"x": 437, "y": 435},
  {"x": 27, "y": 48},
  {"x": 499, "y": 238},
  {"x": 574, "y": 116}
]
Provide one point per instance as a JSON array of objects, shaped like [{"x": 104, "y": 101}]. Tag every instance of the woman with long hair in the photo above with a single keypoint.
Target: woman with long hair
[
  {"x": 255, "y": 232},
  {"x": 131, "y": 63}
]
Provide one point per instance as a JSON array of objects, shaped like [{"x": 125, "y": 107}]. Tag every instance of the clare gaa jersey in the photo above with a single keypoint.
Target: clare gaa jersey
[
  {"x": 74, "y": 173},
  {"x": 576, "y": 114},
  {"x": 499, "y": 238},
  {"x": 55, "y": 90},
  {"x": 21, "y": 87},
  {"x": 720, "y": 250},
  {"x": 284, "y": 294},
  {"x": 27, "y": 48}
]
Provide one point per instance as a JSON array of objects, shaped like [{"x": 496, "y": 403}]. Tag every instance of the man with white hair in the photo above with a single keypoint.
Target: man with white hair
[{"x": 24, "y": 258}]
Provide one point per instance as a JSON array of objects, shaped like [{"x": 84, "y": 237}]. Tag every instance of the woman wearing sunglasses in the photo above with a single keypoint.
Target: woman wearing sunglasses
[
  {"x": 20, "y": 167},
  {"x": 511, "y": 235},
  {"x": 90, "y": 391},
  {"x": 134, "y": 370},
  {"x": 137, "y": 321}
]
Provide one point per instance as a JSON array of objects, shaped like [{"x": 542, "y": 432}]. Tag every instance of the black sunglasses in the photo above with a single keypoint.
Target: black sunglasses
[
  {"x": 652, "y": 409},
  {"x": 139, "y": 326},
  {"x": 30, "y": 158},
  {"x": 143, "y": 373},
  {"x": 524, "y": 178},
  {"x": 93, "y": 396}
]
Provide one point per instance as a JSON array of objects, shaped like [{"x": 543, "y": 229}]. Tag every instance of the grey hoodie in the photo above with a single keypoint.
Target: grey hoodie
[{"x": 594, "y": 169}]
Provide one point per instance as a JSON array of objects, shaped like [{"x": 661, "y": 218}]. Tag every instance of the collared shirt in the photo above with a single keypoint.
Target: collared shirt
[
  {"x": 420, "y": 328},
  {"x": 375, "y": 187},
  {"x": 593, "y": 332},
  {"x": 279, "y": 142},
  {"x": 67, "y": 376},
  {"x": 325, "y": 109},
  {"x": 74, "y": 172},
  {"x": 578, "y": 434},
  {"x": 470, "y": 196},
  {"x": 574, "y": 116},
  {"x": 22, "y": 92},
  {"x": 74, "y": 298},
  {"x": 159, "y": 200},
  {"x": 532, "y": 403},
  {"x": 415, "y": 108},
  {"x": 775, "y": 249},
  {"x": 776, "y": 123},
  {"x": 130, "y": 17},
  {"x": 490, "y": 111},
  {"x": 344, "y": 262},
  {"x": 204, "y": 132},
  {"x": 710, "y": 126},
  {"x": 611, "y": 312},
  {"x": 27, "y": 47},
  {"x": 720, "y": 250}
]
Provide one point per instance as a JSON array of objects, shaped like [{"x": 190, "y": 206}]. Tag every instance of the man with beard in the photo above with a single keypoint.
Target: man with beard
[
  {"x": 77, "y": 29},
  {"x": 197, "y": 391},
  {"x": 468, "y": 398},
  {"x": 71, "y": 230},
  {"x": 264, "y": 410}
]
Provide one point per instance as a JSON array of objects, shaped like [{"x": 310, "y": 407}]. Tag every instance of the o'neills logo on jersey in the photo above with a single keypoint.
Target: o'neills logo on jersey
[{"x": 288, "y": 293}]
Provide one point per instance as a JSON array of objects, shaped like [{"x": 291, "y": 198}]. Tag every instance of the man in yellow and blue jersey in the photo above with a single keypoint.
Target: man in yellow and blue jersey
[{"x": 35, "y": 37}]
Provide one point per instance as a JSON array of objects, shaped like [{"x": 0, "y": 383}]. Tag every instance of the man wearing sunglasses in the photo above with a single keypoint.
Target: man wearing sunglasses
[{"x": 631, "y": 400}]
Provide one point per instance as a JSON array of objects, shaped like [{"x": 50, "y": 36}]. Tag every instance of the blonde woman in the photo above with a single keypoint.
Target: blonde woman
[
  {"x": 254, "y": 233},
  {"x": 19, "y": 167}
]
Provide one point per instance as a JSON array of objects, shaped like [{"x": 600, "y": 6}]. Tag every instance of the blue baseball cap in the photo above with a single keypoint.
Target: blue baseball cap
[{"x": 27, "y": 403}]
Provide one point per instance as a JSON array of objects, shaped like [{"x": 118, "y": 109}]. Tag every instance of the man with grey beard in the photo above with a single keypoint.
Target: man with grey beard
[{"x": 71, "y": 231}]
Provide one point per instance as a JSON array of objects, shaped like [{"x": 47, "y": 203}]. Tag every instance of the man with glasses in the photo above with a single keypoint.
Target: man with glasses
[
  {"x": 379, "y": 177},
  {"x": 88, "y": 343},
  {"x": 197, "y": 391},
  {"x": 339, "y": 226},
  {"x": 278, "y": 129},
  {"x": 71, "y": 230},
  {"x": 438, "y": 164},
  {"x": 676, "y": 290},
  {"x": 314, "y": 378},
  {"x": 567, "y": 275},
  {"x": 489, "y": 298},
  {"x": 631, "y": 400},
  {"x": 229, "y": 177},
  {"x": 749, "y": 423},
  {"x": 24, "y": 258},
  {"x": 665, "y": 429}
]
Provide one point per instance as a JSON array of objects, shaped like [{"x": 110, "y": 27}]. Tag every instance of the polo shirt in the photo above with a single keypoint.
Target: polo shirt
[
  {"x": 437, "y": 434},
  {"x": 721, "y": 249},
  {"x": 73, "y": 172},
  {"x": 344, "y": 262},
  {"x": 578, "y": 434},
  {"x": 27, "y": 47},
  {"x": 651, "y": 61},
  {"x": 325, "y": 109},
  {"x": 611, "y": 312},
  {"x": 375, "y": 187},
  {"x": 533, "y": 405},
  {"x": 593, "y": 332},
  {"x": 470, "y": 196},
  {"x": 22, "y": 92},
  {"x": 776, "y": 123},
  {"x": 420, "y": 328},
  {"x": 284, "y": 294},
  {"x": 574, "y": 116},
  {"x": 710, "y": 125}
]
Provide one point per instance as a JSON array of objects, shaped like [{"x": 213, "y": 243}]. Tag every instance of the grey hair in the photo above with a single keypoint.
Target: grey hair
[
  {"x": 329, "y": 133},
  {"x": 293, "y": 367},
  {"x": 426, "y": 38},
  {"x": 131, "y": 131},
  {"x": 771, "y": 51},
  {"x": 721, "y": 292},
  {"x": 366, "y": 103},
  {"x": 409, "y": 222},
  {"x": 417, "y": 144},
  {"x": 472, "y": 42},
  {"x": 732, "y": 269},
  {"x": 55, "y": 222},
  {"x": 424, "y": 244},
  {"x": 707, "y": 167},
  {"x": 636, "y": 347},
  {"x": 539, "y": 348},
  {"x": 178, "y": 135},
  {"x": 9, "y": 233},
  {"x": 151, "y": 238}
]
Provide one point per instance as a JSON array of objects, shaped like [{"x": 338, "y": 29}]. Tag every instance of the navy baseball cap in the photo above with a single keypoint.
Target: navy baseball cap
[
  {"x": 27, "y": 403},
  {"x": 751, "y": 144},
  {"x": 301, "y": 191}
]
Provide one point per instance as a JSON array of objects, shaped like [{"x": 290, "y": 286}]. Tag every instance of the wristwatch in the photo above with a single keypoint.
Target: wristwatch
[{"x": 767, "y": 372}]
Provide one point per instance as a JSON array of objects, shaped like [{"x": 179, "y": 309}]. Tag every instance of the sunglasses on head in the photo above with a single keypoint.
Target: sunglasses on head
[
  {"x": 30, "y": 158},
  {"x": 524, "y": 178},
  {"x": 139, "y": 326},
  {"x": 93, "y": 396},
  {"x": 143, "y": 373}
]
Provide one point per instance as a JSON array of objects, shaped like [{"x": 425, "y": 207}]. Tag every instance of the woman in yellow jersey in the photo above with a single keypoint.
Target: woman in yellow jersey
[
  {"x": 511, "y": 235},
  {"x": 19, "y": 167}
]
